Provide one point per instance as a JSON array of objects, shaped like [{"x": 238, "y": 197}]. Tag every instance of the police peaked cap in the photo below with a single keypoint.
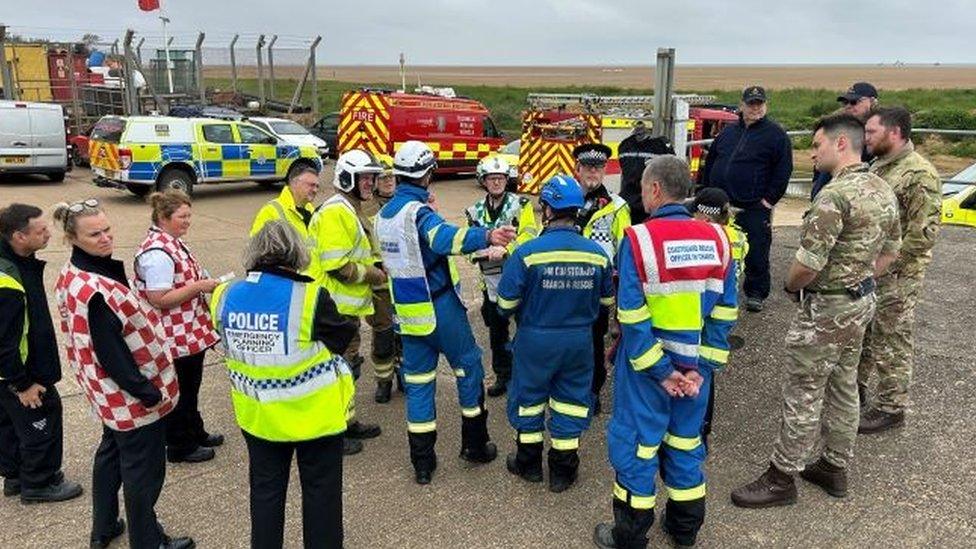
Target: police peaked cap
[{"x": 592, "y": 154}]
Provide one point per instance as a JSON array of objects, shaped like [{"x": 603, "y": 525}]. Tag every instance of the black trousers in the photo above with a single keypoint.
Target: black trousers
[
  {"x": 501, "y": 352},
  {"x": 184, "y": 425},
  {"x": 31, "y": 440},
  {"x": 320, "y": 473},
  {"x": 135, "y": 461},
  {"x": 600, "y": 328},
  {"x": 757, "y": 225}
]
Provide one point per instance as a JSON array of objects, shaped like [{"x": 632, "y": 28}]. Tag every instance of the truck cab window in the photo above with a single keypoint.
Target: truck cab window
[
  {"x": 489, "y": 127},
  {"x": 254, "y": 136},
  {"x": 218, "y": 133}
]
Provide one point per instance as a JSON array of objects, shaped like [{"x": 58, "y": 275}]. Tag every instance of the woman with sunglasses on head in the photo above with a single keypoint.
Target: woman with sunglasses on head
[
  {"x": 168, "y": 277},
  {"x": 118, "y": 352}
]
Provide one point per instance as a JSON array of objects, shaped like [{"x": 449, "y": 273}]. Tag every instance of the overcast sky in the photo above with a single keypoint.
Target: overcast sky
[{"x": 542, "y": 32}]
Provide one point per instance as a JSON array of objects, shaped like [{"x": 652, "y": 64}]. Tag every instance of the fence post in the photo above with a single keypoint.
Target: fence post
[
  {"x": 199, "y": 66},
  {"x": 663, "y": 88},
  {"x": 8, "y": 81},
  {"x": 314, "y": 75},
  {"x": 115, "y": 47},
  {"x": 233, "y": 65},
  {"x": 139, "y": 49},
  {"x": 271, "y": 76},
  {"x": 260, "y": 71},
  {"x": 130, "y": 93}
]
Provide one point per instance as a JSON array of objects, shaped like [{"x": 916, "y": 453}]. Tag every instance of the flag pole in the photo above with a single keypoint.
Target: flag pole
[{"x": 169, "y": 68}]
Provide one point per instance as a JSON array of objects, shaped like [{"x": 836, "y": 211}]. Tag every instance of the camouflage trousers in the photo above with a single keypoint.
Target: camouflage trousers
[
  {"x": 385, "y": 344},
  {"x": 820, "y": 391},
  {"x": 889, "y": 343}
]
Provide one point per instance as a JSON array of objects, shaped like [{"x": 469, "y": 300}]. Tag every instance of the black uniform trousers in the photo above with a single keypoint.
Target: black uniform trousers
[
  {"x": 320, "y": 473},
  {"x": 501, "y": 352},
  {"x": 600, "y": 328},
  {"x": 184, "y": 425},
  {"x": 756, "y": 222},
  {"x": 31, "y": 440},
  {"x": 135, "y": 461}
]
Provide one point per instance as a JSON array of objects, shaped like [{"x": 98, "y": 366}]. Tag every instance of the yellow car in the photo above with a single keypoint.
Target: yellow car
[{"x": 959, "y": 202}]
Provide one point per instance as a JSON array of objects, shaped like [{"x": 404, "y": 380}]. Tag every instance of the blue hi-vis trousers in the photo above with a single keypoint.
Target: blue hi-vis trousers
[
  {"x": 453, "y": 339},
  {"x": 671, "y": 440},
  {"x": 553, "y": 369}
]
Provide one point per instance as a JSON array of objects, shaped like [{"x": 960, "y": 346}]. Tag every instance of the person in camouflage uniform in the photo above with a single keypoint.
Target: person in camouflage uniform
[
  {"x": 889, "y": 345},
  {"x": 849, "y": 234}
]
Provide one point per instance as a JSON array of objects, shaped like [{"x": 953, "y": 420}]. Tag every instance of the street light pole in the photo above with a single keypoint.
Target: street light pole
[{"x": 169, "y": 69}]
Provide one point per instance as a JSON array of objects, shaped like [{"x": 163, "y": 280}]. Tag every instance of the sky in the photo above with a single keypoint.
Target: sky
[{"x": 539, "y": 32}]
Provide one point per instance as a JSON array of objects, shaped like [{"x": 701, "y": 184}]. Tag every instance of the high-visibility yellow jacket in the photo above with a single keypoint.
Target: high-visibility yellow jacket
[
  {"x": 9, "y": 282},
  {"x": 285, "y": 385},
  {"x": 337, "y": 239},
  {"x": 283, "y": 207},
  {"x": 607, "y": 225}
]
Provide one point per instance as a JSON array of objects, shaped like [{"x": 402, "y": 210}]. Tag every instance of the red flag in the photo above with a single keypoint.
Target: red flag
[{"x": 148, "y": 5}]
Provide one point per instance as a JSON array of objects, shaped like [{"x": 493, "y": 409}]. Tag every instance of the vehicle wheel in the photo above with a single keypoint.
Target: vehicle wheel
[
  {"x": 175, "y": 179},
  {"x": 57, "y": 177},
  {"x": 138, "y": 190}
]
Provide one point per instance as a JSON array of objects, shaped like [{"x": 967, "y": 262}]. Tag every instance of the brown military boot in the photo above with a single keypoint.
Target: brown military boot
[
  {"x": 773, "y": 489},
  {"x": 831, "y": 478},
  {"x": 876, "y": 421}
]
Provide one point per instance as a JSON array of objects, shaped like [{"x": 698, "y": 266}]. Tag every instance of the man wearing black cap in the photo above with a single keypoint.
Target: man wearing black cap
[
  {"x": 603, "y": 217},
  {"x": 858, "y": 100},
  {"x": 752, "y": 162}
]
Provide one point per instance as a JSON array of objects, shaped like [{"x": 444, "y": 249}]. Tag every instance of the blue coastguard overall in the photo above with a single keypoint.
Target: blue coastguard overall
[
  {"x": 555, "y": 285},
  {"x": 416, "y": 243},
  {"x": 676, "y": 297}
]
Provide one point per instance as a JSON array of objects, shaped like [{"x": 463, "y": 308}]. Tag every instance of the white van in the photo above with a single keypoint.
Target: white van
[
  {"x": 33, "y": 139},
  {"x": 291, "y": 132}
]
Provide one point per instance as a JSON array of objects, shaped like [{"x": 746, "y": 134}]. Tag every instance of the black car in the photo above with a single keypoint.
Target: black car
[{"x": 327, "y": 129}]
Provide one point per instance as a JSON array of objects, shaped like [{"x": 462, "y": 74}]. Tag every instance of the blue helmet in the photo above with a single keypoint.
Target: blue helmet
[{"x": 561, "y": 192}]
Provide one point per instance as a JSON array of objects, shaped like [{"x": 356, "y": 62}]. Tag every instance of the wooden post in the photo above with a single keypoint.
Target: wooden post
[
  {"x": 198, "y": 62},
  {"x": 314, "y": 75}
]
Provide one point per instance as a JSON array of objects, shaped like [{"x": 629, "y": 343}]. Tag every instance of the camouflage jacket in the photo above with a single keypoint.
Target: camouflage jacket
[
  {"x": 852, "y": 221},
  {"x": 918, "y": 188}
]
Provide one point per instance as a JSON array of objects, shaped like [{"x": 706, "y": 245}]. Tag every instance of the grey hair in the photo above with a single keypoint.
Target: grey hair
[
  {"x": 277, "y": 244},
  {"x": 302, "y": 171},
  {"x": 672, "y": 173}
]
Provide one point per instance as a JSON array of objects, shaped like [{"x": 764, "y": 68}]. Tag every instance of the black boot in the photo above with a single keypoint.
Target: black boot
[
  {"x": 384, "y": 388},
  {"x": 629, "y": 528},
  {"x": 361, "y": 431},
  {"x": 475, "y": 442},
  {"x": 102, "y": 542},
  {"x": 526, "y": 461},
  {"x": 876, "y": 421},
  {"x": 11, "y": 487},
  {"x": 563, "y": 465},
  {"x": 682, "y": 520},
  {"x": 351, "y": 446},
  {"x": 58, "y": 491},
  {"x": 773, "y": 488},
  {"x": 197, "y": 455},
  {"x": 498, "y": 388},
  {"x": 422, "y": 455},
  {"x": 831, "y": 478}
]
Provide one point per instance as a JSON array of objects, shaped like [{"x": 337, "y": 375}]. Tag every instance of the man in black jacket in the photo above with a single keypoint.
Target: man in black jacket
[
  {"x": 31, "y": 437},
  {"x": 752, "y": 162},
  {"x": 859, "y": 100}
]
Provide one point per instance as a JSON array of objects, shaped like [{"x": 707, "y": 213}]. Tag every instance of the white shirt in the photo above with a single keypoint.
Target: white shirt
[{"x": 156, "y": 267}]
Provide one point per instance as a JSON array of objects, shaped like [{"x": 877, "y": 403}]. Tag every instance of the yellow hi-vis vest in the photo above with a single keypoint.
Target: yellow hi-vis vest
[
  {"x": 399, "y": 244},
  {"x": 739, "y": 246},
  {"x": 284, "y": 385},
  {"x": 283, "y": 208},
  {"x": 336, "y": 238},
  {"x": 607, "y": 225},
  {"x": 7, "y": 281}
]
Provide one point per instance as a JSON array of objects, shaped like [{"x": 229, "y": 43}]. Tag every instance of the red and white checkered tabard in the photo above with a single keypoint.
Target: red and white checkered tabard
[
  {"x": 187, "y": 325},
  {"x": 143, "y": 334}
]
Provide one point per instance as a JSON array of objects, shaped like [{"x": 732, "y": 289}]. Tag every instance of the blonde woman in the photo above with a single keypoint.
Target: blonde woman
[{"x": 118, "y": 352}]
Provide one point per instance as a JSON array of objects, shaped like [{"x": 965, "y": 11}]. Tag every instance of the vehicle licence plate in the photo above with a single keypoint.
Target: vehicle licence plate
[{"x": 14, "y": 159}]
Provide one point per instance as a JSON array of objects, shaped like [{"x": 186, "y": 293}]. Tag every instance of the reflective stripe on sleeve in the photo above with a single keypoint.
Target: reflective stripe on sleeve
[
  {"x": 721, "y": 312},
  {"x": 719, "y": 356},
  {"x": 649, "y": 358},
  {"x": 508, "y": 303},
  {"x": 633, "y": 316}
]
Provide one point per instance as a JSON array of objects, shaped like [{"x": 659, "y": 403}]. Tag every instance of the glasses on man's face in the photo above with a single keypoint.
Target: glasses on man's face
[
  {"x": 850, "y": 102},
  {"x": 78, "y": 207}
]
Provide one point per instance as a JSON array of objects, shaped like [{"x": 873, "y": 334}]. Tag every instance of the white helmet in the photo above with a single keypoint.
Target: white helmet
[
  {"x": 348, "y": 167},
  {"x": 492, "y": 165},
  {"x": 414, "y": 160}
]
